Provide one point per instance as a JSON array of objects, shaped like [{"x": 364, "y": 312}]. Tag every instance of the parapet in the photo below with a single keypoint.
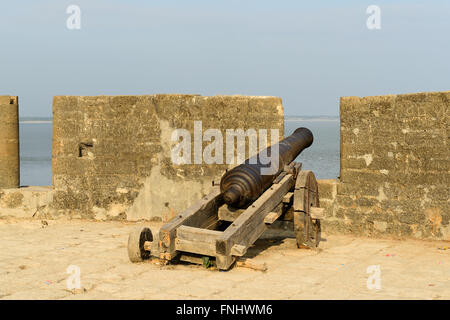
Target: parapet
[{"x": 112, "y": 154}]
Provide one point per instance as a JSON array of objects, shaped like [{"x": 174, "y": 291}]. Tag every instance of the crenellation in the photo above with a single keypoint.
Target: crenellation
[{"x": 398, "y": 164}]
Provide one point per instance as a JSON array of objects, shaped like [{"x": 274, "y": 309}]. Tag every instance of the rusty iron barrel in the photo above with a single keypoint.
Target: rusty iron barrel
[{"x": 245, "y": 183}]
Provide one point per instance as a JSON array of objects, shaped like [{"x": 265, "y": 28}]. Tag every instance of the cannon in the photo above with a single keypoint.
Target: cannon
[
  {"x": 250, "y": 198},
  {"x": 246, "y": 183}
]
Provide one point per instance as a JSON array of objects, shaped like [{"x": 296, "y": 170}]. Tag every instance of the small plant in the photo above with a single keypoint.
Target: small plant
[{"x": 206, "y": 262}]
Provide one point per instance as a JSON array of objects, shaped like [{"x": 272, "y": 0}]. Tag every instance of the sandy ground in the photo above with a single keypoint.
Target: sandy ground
[{"x": 34, "y": 258}]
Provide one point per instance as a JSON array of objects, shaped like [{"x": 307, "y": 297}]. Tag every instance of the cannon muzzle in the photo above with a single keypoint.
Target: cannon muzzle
[{"x": 246, "y": 182}]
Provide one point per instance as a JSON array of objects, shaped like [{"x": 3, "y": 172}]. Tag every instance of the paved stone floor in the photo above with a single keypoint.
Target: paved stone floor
[{"x": 35, "y": 255}]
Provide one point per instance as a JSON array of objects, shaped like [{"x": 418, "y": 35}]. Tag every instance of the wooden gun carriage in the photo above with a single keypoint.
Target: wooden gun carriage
[{"x": 212, "y": 228}]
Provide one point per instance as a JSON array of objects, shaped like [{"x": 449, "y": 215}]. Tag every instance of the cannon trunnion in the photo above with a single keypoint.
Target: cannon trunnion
[{"x": 224, "y": 224}]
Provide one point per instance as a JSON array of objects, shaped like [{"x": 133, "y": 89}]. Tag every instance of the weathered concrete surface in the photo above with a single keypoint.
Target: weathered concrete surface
[
  {"x": 9, "y": 142},
  {"x": 34, "y": 259},
  {"x": 395, "y": 168},
  {"x": 25, "y": 202},
  {"x": 112, "y": 154}
]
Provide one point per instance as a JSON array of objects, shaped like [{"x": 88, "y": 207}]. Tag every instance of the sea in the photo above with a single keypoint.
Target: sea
[{"x": 322, "y": 157}]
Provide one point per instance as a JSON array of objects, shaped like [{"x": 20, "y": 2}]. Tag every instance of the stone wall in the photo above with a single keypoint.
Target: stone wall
[
  {"x": 9, "y": 142},
  {"x": 395, "y": 167},
  {"x": 112, "y": 154},
  {"x": 26, "y": 202},
  {"x": 112, "y": 159}
]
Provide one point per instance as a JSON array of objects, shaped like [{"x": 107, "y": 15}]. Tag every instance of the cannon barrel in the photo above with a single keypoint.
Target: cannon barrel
[{"x": 245, "y": 183}]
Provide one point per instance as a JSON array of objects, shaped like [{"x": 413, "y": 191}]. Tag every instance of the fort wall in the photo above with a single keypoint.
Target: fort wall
[{"x": 112, "y": 160}]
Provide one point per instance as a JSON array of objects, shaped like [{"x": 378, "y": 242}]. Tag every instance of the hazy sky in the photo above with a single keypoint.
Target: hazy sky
[{"x": 309, "y": 53}]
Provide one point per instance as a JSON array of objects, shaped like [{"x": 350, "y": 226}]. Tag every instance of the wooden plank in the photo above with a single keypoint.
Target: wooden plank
[
  {"x": 274, "y": 214},
  {"x": 189, "y": 215},
  {"x": 195, "y": 216},
  {"x": 288, "y": 197},
  {"x": 317, "y": 213},
  {"x": 251, "y": 237},
  {"x": 225, "y": 213},
  {"x": 203, "y": 248},
  {"x": 191, "y": 258},
  {"x": 279, "y": 178},
  {"x": 197, "y": 234},
  {"x": 224, "y": 262},
  {"x": 238, "y": 250},
  {"x": 211, "y": 223},
  {"x": 272, "y": 217},
  {"x": 251, "y": 264},
  {"x": 251, "y": 222},
  {"x": 301, "y": 228}
]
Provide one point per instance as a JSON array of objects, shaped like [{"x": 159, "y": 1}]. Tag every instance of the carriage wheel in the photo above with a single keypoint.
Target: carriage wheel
[
  {"x": 306, "y": 195},
  {"x": 136, "y": 241}
]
